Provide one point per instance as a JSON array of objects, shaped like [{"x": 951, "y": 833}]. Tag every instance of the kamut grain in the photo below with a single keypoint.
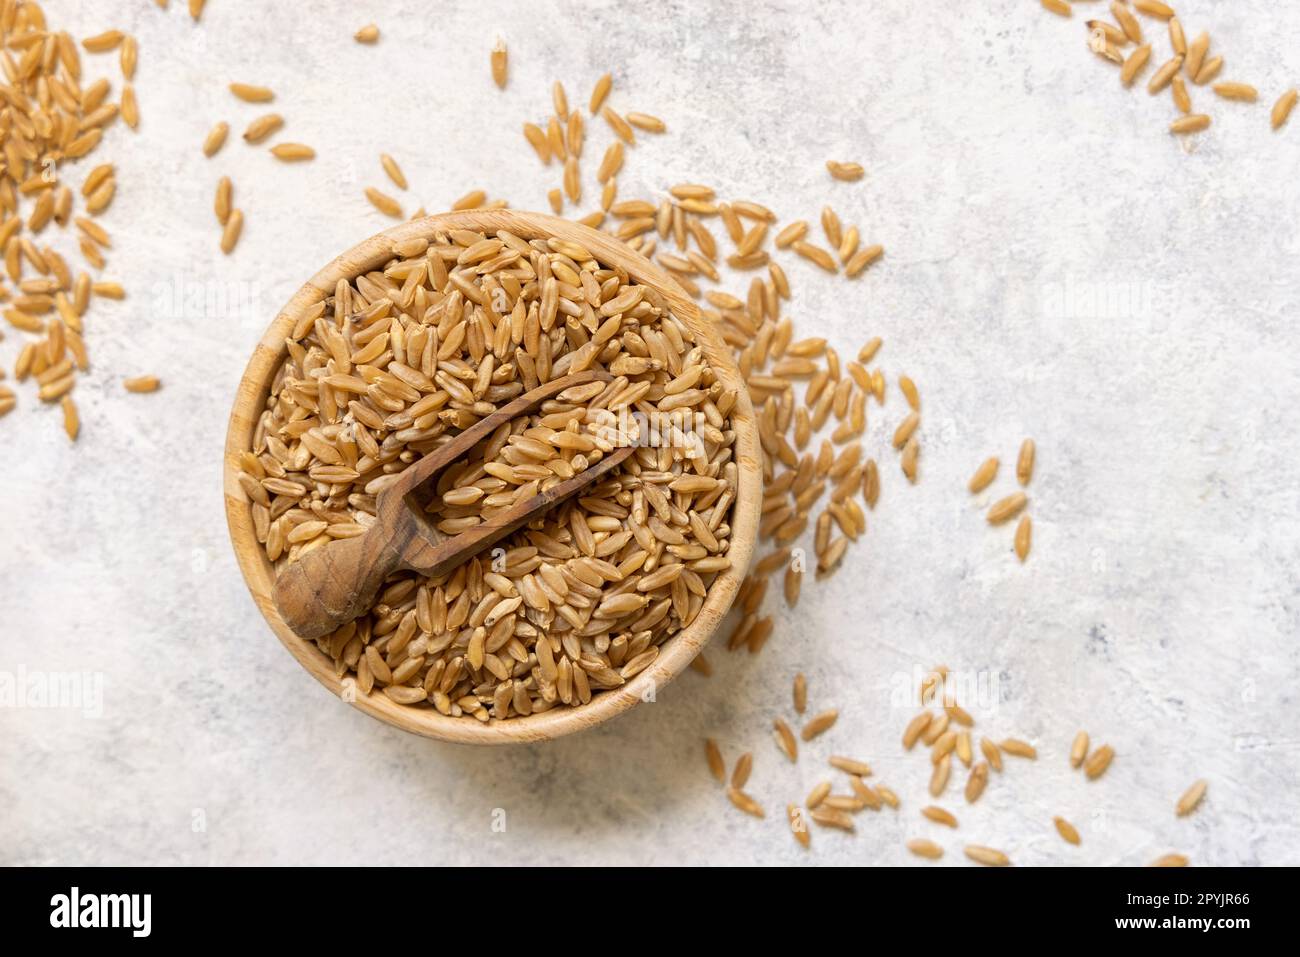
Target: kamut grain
[
  {"x": 500, "y": 62},
  {"x": 215, "y": 139},
  {"x": 939, "y": 815},
  {"x": 1079, "y": 749},
  {"x": 1024, "y": 537},
  {"x": 250, "y": 93},
  {"x": 988, "y": 856},
  {"x": 819, "y": 724},
  {"x": 292, "y": 152},
  {"x": 594, "y": 618},
  {"x": 713, "y": 755},
  {"x": 1191, "y": 798},
  {"x": 1066, "y": 830},
  {"x": 984, "y": 475},
  {"x": 923, "y": 847},
  {"x": 785, "y": 739},
  {"x": 848, "y": 172},
  {"x": 1007, "y": 508},
  {"x": 1097, "y": 762},
  {"x": 1282, "y": 108},
  {"x": 262, "y": 127}
]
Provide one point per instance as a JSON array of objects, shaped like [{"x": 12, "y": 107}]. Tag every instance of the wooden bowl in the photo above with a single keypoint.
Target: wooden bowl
[{"x": 676, "y": 653}]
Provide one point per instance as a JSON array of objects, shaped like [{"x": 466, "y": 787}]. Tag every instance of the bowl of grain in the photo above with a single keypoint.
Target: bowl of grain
[{"x": 414, "y": 335}]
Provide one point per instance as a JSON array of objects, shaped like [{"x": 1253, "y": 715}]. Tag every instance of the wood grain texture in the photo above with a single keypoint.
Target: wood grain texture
[{"x": 676, "y": 653}]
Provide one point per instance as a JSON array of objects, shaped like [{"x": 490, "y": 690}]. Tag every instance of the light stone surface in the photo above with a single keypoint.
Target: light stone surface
[{"x": 1057, "y": 266}]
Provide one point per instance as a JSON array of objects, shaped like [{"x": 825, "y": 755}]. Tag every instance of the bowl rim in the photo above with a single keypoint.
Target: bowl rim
[{"x": 676, "y": 653}]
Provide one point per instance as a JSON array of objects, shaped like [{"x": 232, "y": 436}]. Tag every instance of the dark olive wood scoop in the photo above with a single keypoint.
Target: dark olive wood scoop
[{"x": 334, "y": 583}]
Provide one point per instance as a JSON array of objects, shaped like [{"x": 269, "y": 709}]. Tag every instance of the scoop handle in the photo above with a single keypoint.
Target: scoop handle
[{"x": 334, "y": 583}]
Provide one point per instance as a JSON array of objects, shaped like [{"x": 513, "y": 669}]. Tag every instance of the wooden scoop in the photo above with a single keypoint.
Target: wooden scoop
[{"x": 334, "y": 583}]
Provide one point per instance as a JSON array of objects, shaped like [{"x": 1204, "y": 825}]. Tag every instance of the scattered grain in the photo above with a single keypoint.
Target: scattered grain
[
  {"x": 1018, "y": 748},
  {"x": 1237, "y": 91},
  {"x": 221, "y": 204},
  {"x": 712, "y": 754},
  {"x": 384, "y": 203},
  {"x": 785, "y": 740},
  {"x": 644, "y": 121},
  {"x": 915, "y": 728},
  {"x": 599, "y": 92},
  {"x": 746, "y": 803},
  {"x": 923, "y": 847},
  {"x": 975, "y": 784},
  {"x": 740, "y": 774},
  {"x": 850, "y": 766},
  {"x": 991, "y": 753},
  {"x": 1194, "y": 122},
  {"x": 230, "y": 235},
  {"x": 1191, "y": 798},
  {"x": 252, "y": 94},
  {"x": 1208, "y": 71},
  {"x": 939, "y": 816},
  {"x": 819, "y": 724},
  {"x": 144, "y": 383},
  {"x": 1007, "y": 508},
  {"x": 1024, "y": 537},
  {"x": 1134, "y": 63},
  {"x": 939, "y": 776},
  {"x": 1066, "y": 830},
  {"x": 848, "y": 172},
  {"x": 987, "y": 856},
  {"x": 215, "y": 139},
  {"x": 1164, "y": 75},
  {"x": 71, "y": 418},
  {"x": 1079, "y": 749},
  {"x": 1154, "y": 8},
  {"x": 1097, "y": 763},
  {"x": 500, "y": 58},
  {"x": 984, "y": 475},
  {"x": 292, "y": 152},
  {"x": 831, "y": 817},
  {"x": 1282, "y": 108}
]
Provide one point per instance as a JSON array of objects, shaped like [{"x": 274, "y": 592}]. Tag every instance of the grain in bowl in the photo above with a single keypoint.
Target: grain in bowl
[{"x": 402, "y": 357}]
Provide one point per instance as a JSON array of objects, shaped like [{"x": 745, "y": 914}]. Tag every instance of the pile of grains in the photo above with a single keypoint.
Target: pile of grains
[
  {"x": 400, "y": 360},
  {"x": 52, "y": 118},
  {"x": 392, "y": 361},
  {"x": 403, "y": 358},
  {"x": 396, "y": 363},
  {"x": 677, "y": 230},
  {"x": 1192, "y": 59}
]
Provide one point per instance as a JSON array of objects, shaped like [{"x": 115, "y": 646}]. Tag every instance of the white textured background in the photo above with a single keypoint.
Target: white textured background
[{"x": 1011, "y": 180}]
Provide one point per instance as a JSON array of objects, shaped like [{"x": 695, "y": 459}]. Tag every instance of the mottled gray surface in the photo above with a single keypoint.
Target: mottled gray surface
[{"x": 1057, "y": 266}]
